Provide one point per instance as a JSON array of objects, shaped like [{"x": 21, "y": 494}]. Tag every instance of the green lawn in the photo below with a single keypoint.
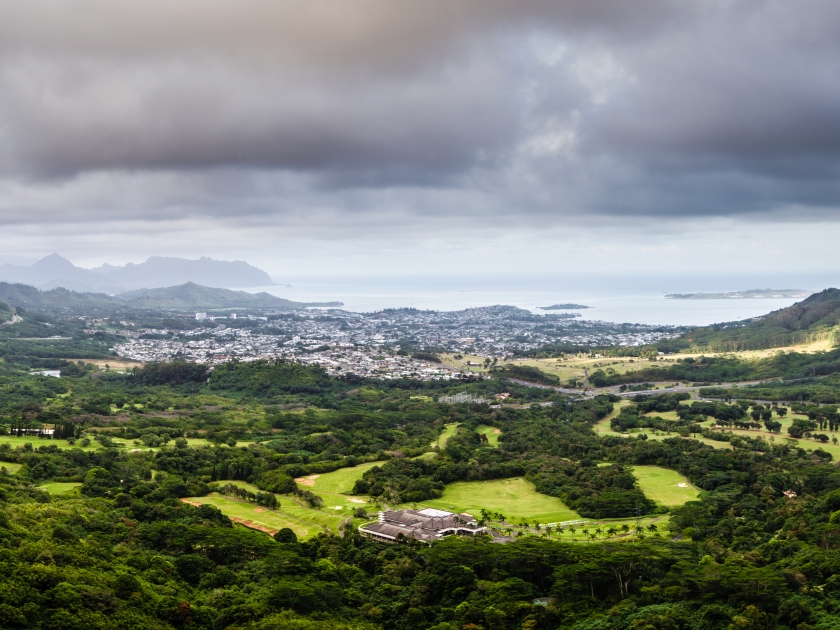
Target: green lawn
[
  {"x": 663, "y": 485},
  {"x": 665, "y": 415},
  {"x": 16, "y": 441},
  {"x": 492, "y": 434},
  {"x": 339, "y": 481},
  {"x": 126, "y": 443},
  {"x": 192, "y": 442},
  {"x": 443, "y": 438},
  {"x": 581, "y": 537},
  {"x": 515, "y": 498},
  {"x": 242, "y": 484},
  {"x": 267, "y": 519},
  {"x": 11, "y": 468},
  {"x": 780, "y": 437},
  {"x": 337, "y": 507},
  {"x": 603, "y": 428},
  {"x": 604, "y": 423},
  {"x": 59, "y": 488}
]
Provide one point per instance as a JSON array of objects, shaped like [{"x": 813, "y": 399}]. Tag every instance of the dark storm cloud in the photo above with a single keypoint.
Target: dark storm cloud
[{"x": 539, "y": 108}]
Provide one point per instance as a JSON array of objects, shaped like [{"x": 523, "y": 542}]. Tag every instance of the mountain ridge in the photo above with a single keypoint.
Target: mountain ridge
[
  {"x": 814, "y": 318},
  {"x": 188, "y": 296},
  {"x": 55, "y": 271}
]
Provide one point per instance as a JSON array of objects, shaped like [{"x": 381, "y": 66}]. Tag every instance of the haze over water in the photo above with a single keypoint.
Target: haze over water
[{"x": 631, "y": 300}]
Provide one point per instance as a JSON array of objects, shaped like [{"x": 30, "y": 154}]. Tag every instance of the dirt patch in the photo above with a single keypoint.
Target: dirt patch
[
  {"x": 307, "y": 481},
  {"x": 115, "y": 364},
  {"x": 243, "y": 521},
  {"x": 497, "y": 431},
  {"x": 252, "y": 525}
]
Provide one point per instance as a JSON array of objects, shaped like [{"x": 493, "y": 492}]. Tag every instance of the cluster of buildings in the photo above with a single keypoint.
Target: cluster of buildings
[
  {"x": 370, "y": 344},
  {"x": 247, "y": 345},
  {"x": 426, "y": 525}
]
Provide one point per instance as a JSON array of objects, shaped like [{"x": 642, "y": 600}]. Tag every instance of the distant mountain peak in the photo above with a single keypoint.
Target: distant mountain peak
[
  {"x": 156, "y": 272},
  {"x": 54, "y": 261}
]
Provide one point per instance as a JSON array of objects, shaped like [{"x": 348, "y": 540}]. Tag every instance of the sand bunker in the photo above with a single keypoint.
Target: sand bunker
[
  {"x": 497, "y": 431},
  {"x": 307, "y": 481},
  {"x": 355, "y": 500},
  {"x": 682, "y": 485},
  {"x": 259, "y": 510}
]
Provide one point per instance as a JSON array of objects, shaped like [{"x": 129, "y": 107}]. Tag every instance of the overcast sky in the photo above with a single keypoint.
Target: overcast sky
[{"x": 373, "y": 136}]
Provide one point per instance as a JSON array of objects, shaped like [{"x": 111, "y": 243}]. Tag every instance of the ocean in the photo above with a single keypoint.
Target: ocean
[{"x": 612, "y": 299}]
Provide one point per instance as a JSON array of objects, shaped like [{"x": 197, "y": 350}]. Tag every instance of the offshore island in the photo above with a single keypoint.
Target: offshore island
[{"x": 739, "y": 295}]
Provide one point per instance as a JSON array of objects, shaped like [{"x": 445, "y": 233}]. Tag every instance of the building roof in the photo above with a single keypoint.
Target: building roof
[{"x": 426, "y": 525}]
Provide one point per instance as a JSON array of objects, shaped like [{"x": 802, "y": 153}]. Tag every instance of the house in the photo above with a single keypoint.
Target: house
[{"x": 426, "y": 525}]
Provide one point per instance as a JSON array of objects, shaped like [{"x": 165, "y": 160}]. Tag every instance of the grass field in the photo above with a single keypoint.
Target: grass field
[
  {"x": 123, "y": 443},
  {"x": 603, "y": 428},
  {"x": 269, "y": 520},
  {"x": 116, "y": 365},
  {"x": 336, "y": 505},
  {"x": 443, "y": 438},
  {"x": 36, "y": 442},
  {"x": 492, "y": 434},
  {"x": 59, "y": 488},
  {"x": 780, "y": 437},
  {"x": 573, "y": 366},
  {"x": 10, "y": 467},
  {"x": 515, "y": 498},
  {"x": 339, "y": 481},
  {"x": 580, "y": 535},
  {"x": 663, "y": 485}
]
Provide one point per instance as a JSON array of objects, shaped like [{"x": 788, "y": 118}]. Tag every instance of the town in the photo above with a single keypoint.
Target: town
[{"x": 382, "y": 344}]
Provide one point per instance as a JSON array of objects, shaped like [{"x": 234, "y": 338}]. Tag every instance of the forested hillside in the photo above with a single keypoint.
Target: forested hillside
[
  {"x": 95, "y": 531},
  {"x": 186, "y": 296},
  {"x": 812, "y": 319}
]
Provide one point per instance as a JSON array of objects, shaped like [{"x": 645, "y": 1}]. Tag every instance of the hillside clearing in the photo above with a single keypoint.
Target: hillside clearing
[
  {"x": 59, "y": 487},
  {"x": 665, "y": 486},
  {"x": 492, "y": 434},
  {"x": 515, "y": 498}
]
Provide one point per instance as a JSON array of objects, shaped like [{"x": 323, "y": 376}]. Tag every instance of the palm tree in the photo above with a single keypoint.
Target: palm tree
[
  {"x": 537, "y": 525},
  {"x": 612, "y": 531},
  {"x": 572, "y": 532},
  {"x": 548, "y": 530},
  {"x": 585, "y": 532},
  {"x": 652, "y": 527},
  {"x": 625, "y": 528},
  {"x": 599, "y": 531},
  {"x": 593, "y": 536}
]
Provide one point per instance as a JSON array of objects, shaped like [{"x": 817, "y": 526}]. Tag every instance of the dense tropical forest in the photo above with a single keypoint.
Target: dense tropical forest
[{"x": 112, "y": 520}]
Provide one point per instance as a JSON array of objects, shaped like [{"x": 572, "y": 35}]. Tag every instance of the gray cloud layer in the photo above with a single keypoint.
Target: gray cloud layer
[{"x": 545, "y": 110}]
